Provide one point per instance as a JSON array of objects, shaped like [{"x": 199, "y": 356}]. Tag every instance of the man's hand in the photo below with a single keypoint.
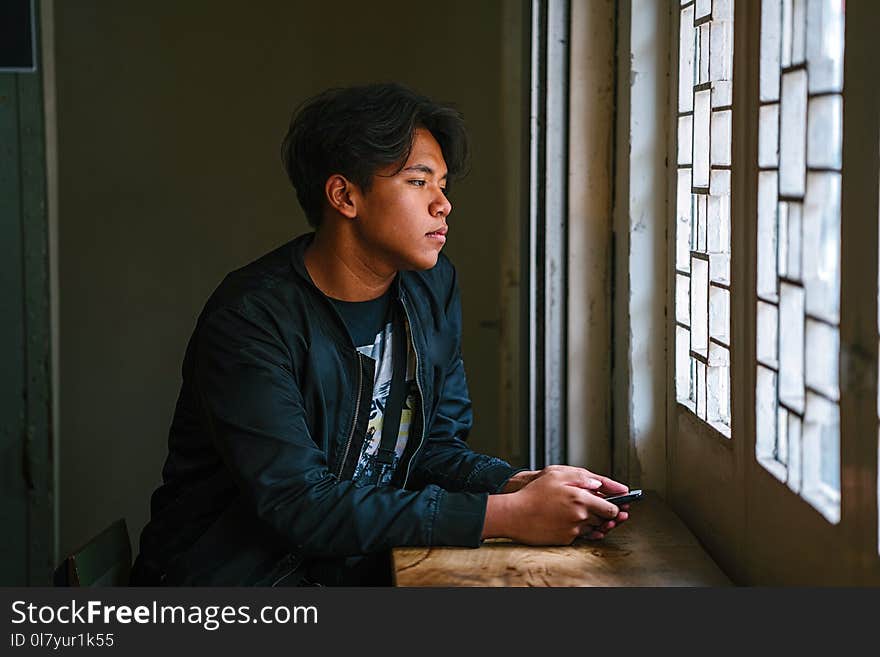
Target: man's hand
[
  {"x": 554, "y": 506},
  {"x": 519, "y": 480},
  {"x": 607, "y": 487}
]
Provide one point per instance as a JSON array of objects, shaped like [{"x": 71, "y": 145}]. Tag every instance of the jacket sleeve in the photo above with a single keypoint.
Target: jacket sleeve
[
  {"x": 446, "y": 460},
  {"x": 255, "y": 413}
]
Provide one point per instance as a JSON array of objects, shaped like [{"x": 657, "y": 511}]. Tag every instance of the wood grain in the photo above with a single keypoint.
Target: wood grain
[{"x": 653, "y": 548}]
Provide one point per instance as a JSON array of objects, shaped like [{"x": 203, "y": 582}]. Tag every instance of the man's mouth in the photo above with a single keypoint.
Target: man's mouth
[{"x": 439, "y": 234}]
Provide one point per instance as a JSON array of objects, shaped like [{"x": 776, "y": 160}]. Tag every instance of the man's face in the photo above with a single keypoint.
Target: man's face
[{"x": 401, "y": 220}]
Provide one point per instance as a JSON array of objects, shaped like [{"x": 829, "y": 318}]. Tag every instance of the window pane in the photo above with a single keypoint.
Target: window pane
[
  {"x": 701, "y": 138},
  {"x": 767, "y": 205},
  {"x": 821, "y": 226},
  {"x": 686, "y": 60},
  {"x": 700, "y": 307},
  {"x": 771, "y": 32},
  {"x": 767, "y": 325},
  {"x": 823, "y": 345},
  {"x": 791, "y": 346},
  {"x": 825, "y": 45},
  {"x": 768, "y": 136},
  {"x": 685, "y": 139},
  {"x": 721, "y": 137},
  {"x": 682, "y": 299},
  {"x": 793, "y": 126},
  {"x": 824, "y": 140}
]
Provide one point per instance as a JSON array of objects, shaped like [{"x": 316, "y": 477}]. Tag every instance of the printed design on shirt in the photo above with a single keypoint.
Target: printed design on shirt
[{"x": 368, "y": 469}]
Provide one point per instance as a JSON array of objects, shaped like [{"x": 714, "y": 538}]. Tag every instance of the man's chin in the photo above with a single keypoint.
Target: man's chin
[{"x": 426, "y": 261}]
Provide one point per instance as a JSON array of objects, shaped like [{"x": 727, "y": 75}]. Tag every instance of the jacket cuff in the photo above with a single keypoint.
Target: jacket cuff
[
  {"x": 491, "y": 476},
  {"x": 459, "y": 519},
  {"x": 507, "y": 478}
]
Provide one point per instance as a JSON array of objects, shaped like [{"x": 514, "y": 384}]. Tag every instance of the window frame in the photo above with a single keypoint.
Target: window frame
[{"x": 758, "y": 530}]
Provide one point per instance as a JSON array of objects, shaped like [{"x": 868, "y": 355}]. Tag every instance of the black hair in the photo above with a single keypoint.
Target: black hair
[{"x": 355, "y": 131}]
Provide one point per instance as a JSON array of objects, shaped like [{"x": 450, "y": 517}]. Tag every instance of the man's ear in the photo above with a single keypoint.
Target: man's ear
[{"x": 341, "y": 195}]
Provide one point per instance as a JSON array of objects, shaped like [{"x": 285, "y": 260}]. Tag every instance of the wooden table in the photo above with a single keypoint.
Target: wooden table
[{"x": 652, "y": 548}]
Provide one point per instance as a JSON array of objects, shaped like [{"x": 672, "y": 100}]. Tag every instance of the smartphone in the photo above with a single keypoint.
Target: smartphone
[{"x": 626, "y": 498}]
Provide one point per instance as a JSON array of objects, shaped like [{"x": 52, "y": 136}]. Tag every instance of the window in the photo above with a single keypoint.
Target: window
[
  {"x": 702, "y": 262},
  {"x": 798, "y": 278}
]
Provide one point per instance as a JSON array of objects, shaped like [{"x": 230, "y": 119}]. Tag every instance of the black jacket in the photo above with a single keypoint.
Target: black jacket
[{"x": 269, "y": 424}]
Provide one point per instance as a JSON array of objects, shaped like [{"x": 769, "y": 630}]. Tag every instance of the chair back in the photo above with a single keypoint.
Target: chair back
[{"x": 103, "y": 561}]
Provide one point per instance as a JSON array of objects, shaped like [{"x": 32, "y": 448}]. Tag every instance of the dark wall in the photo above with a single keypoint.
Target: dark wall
[{"x": 169, "y": 119}]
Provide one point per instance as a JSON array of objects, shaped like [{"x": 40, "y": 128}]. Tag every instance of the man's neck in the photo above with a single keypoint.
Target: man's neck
[{"x": 343, "y": 270}]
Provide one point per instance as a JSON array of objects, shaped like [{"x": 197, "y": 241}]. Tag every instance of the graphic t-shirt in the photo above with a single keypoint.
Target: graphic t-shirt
[{"x": 371, "y": 328}]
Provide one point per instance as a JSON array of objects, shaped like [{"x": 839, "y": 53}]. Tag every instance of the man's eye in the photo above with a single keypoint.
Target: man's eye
[{"x": 418, "y": 183}]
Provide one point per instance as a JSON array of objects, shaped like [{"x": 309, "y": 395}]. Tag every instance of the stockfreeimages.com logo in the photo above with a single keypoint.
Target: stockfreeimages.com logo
[{"x": 210, "y": 617}]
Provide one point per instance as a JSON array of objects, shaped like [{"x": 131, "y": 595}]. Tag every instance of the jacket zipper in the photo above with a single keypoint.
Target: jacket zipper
[
  {"x": 357, "y": 408},
  {"x": 419, "y": 388},
  {"x": 291, "y": 563}
]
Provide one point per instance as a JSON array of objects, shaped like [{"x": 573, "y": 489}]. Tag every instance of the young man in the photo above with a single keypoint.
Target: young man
[{"x": 324, "y": 407}]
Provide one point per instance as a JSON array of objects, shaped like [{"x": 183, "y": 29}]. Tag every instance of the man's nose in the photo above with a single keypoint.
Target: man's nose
[{"x": 441, "y": 206}]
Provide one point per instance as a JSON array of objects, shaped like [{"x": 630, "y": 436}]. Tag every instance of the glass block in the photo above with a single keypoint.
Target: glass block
[
  {"x": 767, "y": 202},
  {"x": 794, "y": 439},
  {"x": 794, "y": 232},
  {"x": 825, "y": 45},
  {"x": 798, "y": 31},
  {"x": 701, "y": 202},
  {"x": 718, "y": 224},
  {"x": 694, "y": 382},
  {"x": 685, "y": 204},
  {"x": 719, "y": 314},
  {"x": 719, "y": 183},
  {"x": 686, "y": 60},
  {"x": 768, "y": 136},
  {"x": 685, "y": 139},
  {"x": 703, "y": 65},
  {"x": 722, "y": 10},
  {"x": 682, "y": 363},
  {"x": 703, "y": 8},
  {"x": 829, "y": 471},
  {"x": 781, "y": 453},
  {"x": 719, "y": 355},
  {"x": 700, "y": 306},
  {"x": 718, "y": 394},
  {"x": 765, "y": 413},
  {"x": 823, "y": 347},
  {"x": 701, "y": 390},
  {"x": 782, "y": 244},
  {"x": 824, "y": 132},
  {"x": 792, "y": 138},
  {"x": 771, "y": 34},
  {"x": 821, "y": 245},
  {"x": 701, "y": 138},
  {"x": 785, "y": 55},
  {"x": 719, "y": 268},
  {"x": 791, "y": 346},
  {"x": 722, "y": 93},
  {"x": 683, "y": 299},
  {"x": 821, "y": 456},
  {"x": 721, "y": 50},
  {"x": 720, "y": 142},
  {"x": 768, "y": 323}
]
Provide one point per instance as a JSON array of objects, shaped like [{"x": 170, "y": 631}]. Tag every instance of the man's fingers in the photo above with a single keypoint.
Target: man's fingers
[
  {"x": 580, "y": 478},
  {"x": 600, "y": 507}
]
